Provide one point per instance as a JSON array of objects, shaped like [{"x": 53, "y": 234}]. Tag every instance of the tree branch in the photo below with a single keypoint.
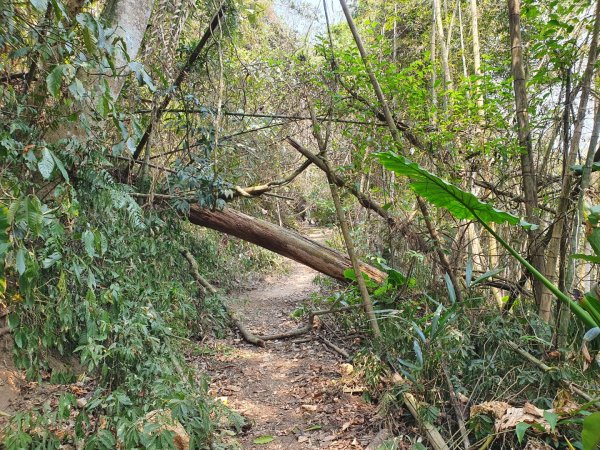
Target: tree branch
[{"x": 215, "y": 22}]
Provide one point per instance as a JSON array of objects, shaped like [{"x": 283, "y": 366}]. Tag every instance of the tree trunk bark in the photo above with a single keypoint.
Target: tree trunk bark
[
  {"x": 553, "y": 251},
  {"x": 529, "y": 181},
  {"x": 444, "y": 52},
  {"x": 128, "y": 19},
  {"x": 285, "y": 242},
  {"x": 476, "y": 57}
]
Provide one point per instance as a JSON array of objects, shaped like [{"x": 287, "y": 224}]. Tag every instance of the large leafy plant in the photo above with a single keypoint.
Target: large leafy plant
[{"x": 464, "y": 205}]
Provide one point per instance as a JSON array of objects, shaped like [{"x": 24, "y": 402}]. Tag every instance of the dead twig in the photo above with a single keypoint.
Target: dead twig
[
  {"x": 334, "y": 347},
  {"x": 297, "y": 332},
  {"x": 460, "y": 420},
  {"x": 207, "y": 287},
  {"x": 536, "y": 362}
]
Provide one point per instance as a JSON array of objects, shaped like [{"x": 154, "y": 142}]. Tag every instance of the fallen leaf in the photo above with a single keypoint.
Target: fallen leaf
[
  {"x": 263, "y": 440},
  {"x": 309, "y": 407},
  {"x": 346, "y": 426}
]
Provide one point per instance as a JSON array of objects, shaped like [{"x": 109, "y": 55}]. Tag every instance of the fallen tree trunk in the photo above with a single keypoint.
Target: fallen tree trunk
[{"x": 280, "y": 240}]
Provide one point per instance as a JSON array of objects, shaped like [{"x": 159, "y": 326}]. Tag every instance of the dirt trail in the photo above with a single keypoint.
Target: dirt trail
[{"x": 294, "y": 392}]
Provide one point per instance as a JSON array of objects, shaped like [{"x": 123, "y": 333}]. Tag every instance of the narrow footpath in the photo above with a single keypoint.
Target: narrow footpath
[{"x": 294, "y": 395}]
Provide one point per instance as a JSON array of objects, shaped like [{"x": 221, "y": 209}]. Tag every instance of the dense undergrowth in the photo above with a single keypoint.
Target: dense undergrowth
[
  {"x": 91, "y": 271},
  {"x": 92, "y": 275},
  {"x": 456, "y": 356},
  {"x": 101, "y": 283}
]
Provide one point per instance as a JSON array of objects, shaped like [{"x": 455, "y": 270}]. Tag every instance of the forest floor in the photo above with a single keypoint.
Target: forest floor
[{"x": 297, "y": 395}]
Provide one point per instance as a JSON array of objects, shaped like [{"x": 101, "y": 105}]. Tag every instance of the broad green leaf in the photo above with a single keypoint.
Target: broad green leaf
[
  {"x": 349, "y": 275},
  {"x": 419, "y": 332},
  {"x": 461, "y": 204},
  {"x": 54, "y": 80},
  {"x": 551, "y": 418},
  {"x": 13, "y": 320},
  {"x": 263, "y": 440},
  {"x": 592, "y": 305},
  {"x": 51, "y": 260},
  {"x": 521, "y": 429},
  {"x": 594, "y": 240},
  {"x": 59, "y": 10},
  {"x": 18, "y": 337},
  {"x": 40, "y": 5},
  {"x": 3, "y": 229},
  {"x": 88, "y": 239},
  {"x": 4, "y": 244},
  {"x": 31, "y": 213},
  {"x": 60, "y": 166},
  {"x": 20, "y": 261},
  {"x": 435, "y": 320},
  {"x": 593, "y": 214},
  {"x": 590, "y": 435},
  {"x": 46, "y": 164}
]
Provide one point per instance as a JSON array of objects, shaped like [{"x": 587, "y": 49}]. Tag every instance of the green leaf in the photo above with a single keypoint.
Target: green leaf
[
  {"x": 60, "y": 166},
  {"x": 590, "y": 435},
  {"x": 450, "y": 288},
  {"x": 521, "y": 429},
  {"x": 141, "y": 75},
  {"x": 469, "y": 271},
  {"x": 578, "y": 168},
  {"x": 31, "y": 211},
  {"x": 485, "y": 276},
  {"x": 40, "y": 5},
  {"x": 20, "y": 261},
  {"x": 46, "y": 164},
  {"x": 594, "y": 240},
  {"x": 552, "y": 419},
  {"x": 590, "y": 258},
  {"x": 591, "y": 334},
  {"x": 263, "y": 440},
  {"x": 461, "y": 204},
  {"x": 3, "y": 233},
  {"x": 88, "y": 239},
  {"x": 54, "y": 80}
]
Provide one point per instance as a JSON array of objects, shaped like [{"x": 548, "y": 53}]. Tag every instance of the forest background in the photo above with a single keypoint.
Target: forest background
[{"x": 452, "y": 145}]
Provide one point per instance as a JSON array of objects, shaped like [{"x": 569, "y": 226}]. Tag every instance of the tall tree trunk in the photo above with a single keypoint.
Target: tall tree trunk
[
  {"x": 524, "y": 138},
  {"x": 443, "y": 45},
  {"x": 476, "y": 56},
  {"x": 285, "y": 242},
  {"x": 434, "y": 99},
  {"x": 553, "y": 251},
  {"x": 128, "y": 19},
  {"x": 443, "y": 51}
]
